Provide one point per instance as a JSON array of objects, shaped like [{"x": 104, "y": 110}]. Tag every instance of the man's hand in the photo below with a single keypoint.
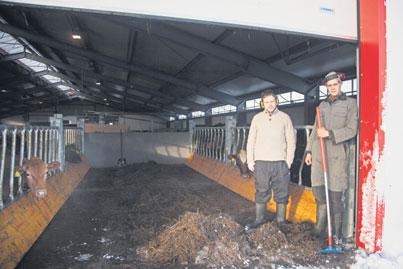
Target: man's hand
[
  {"x": 322, "y": 132},
  {"x": 251, "y": 166},
  {"x": 308, "y": 159}
]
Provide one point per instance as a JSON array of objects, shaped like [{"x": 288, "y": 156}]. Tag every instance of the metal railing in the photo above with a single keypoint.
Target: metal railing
[
  {"x": 209, "y": 142},
  {"x": 239, "y": 139},
  {"x": 74, "y": 136},
  {"x": 19, "y": 144}
]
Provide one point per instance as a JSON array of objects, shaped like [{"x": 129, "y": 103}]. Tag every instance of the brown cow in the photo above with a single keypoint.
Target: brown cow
[
  {"x": 36, "y": 172},
  {"x": 240, "y": 160}
]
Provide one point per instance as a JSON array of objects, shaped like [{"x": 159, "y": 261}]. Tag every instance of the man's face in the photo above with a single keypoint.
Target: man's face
[
  {"x": 334, "y": 87},
  {"x": 269, "y": 103}
]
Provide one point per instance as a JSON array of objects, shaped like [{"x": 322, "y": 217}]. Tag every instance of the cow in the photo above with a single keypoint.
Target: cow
[
  {"x": 72, "y": 154},
  {"x": 36, "y": 172},
  {"x": 240, "y": 160}
]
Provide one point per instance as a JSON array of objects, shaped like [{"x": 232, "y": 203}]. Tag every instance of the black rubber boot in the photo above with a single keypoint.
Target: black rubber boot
[
  {"x": 321, "y": 217},
  {"x": 260, "y": 218},
  {"x": 280, "y": 213}
]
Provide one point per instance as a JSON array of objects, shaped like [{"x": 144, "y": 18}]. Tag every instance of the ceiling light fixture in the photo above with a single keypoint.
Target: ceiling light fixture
[
  {"x": 75, "y": 36},
  {"x": 3, "y": 90},
  {"x": 98, "y": 83}
]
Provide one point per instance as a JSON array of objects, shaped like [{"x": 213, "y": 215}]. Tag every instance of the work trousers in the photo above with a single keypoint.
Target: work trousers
[{"x": 271, "y": 176}]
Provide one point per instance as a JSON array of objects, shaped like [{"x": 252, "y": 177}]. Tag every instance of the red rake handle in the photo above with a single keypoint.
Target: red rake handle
[{"x": 322, "y": 144}]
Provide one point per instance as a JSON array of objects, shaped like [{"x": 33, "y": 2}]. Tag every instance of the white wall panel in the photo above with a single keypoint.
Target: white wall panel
[{"x": 330, "y": 18}]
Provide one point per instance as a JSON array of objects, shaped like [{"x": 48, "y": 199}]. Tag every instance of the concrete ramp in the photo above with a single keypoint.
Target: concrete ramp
[
  {"x": 23, "y": 221},
  {"x": 301, "y": 206}
]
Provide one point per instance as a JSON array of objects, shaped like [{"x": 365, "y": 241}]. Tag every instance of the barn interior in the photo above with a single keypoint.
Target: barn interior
[{"x": 135, "y": 95}]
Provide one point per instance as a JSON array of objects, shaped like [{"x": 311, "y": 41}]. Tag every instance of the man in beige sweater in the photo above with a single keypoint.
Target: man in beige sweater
[{"x": 270, "y": 153}]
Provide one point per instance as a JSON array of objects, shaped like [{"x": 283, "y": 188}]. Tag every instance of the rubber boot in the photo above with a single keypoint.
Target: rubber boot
[
  {"x": 280, "y": 213},
  {"x": 337, "y": 226},
  {"x": 260, "y": 217},
  {"x": 321, "y": 217}
]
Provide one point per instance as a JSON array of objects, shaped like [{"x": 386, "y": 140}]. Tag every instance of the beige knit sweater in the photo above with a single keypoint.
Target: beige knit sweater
[{"x": 271, "y": 138}]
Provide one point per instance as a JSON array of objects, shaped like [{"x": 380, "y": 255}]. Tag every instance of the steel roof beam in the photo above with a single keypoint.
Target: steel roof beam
[
  {"x": 108, "y": 93},
  {"x": 246, "y": 63},
  {"x": 104, "y": 89},
  {"x": 12, "y": 57},
  {"x": 200, "y": 89},
  {"x": 112, "y": 80},
  {"x": 88, "y": 72}
]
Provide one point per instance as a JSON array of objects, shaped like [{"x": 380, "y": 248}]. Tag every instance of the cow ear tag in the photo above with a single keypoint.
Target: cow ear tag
[{"x": 17, "y": 174}]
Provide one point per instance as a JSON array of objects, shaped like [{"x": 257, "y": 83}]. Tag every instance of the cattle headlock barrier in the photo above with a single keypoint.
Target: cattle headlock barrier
[{"x": 23, "y": 217}]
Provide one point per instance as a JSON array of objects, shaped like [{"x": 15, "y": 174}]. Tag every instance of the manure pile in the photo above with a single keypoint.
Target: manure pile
[{"x": 217, "y": 241}]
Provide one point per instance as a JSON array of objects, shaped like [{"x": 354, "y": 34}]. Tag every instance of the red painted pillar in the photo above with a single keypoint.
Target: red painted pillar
[{"x": 372, "y": 67}]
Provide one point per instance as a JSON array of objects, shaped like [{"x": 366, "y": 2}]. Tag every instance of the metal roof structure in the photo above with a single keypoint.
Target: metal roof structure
[{"x": 139, "y": 64}]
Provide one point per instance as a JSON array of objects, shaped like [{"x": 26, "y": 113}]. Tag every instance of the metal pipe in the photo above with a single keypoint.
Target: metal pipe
[
  {"x": 224, "y": 134},
  {"x": 3, "y": 159},
  {"x": 22, "y": 149},
  {"x": 209, "y": 142},
  {"x": 194, "y": 147},
  {"x": 45, "y": 151},
  {"x": 77, "y": 134},
  {"x": 199, "y": 137},
  {"x": 202, "y": 141},
  {"x": 215, "y": 145},
  {"x": 12, "y": 164},
  {"x": 196, "y": 133},
  {"x": 50, "y": 149},
  {"x": 41, "y": 144},
  {"x": 82, "y": 132},
  {"x": 219, "y": 144},
  {"x": 36, "y": 142},
  {"x": 232, "y": 132},
  {"x": 212, "y": 134},
  {"x": 29, "y": 144},
  {"x": 205, "y": 142},
  {"x": 57, "y": 137},
  {"x": 54, "y": 145},
  {"x": 243, "y": 138},
  {"x": 238, "y": 138}
]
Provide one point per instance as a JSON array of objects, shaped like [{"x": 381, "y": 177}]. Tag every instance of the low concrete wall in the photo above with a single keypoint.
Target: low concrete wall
[
  {"x": 22, "y": 222},
  {"x": 301, "y": 205},
  {"x": 103, "y": 150}
]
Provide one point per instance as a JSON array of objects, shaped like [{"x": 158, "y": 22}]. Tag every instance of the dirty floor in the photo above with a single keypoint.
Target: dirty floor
[{"x": 114, "y": 212}]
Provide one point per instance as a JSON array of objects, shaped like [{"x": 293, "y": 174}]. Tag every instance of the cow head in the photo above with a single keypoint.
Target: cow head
[
  {"x": 240, "y": 160},
  {"x": 36, "y": 172}
]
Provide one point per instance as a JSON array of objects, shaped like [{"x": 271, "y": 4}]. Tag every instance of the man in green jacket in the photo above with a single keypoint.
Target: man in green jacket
[
  {"x": 339, "y": 118},
  {"x": 270, "y": 153}
]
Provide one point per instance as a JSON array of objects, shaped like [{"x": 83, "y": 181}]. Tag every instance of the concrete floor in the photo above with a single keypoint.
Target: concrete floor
[{"x": 108, "y": 216}]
